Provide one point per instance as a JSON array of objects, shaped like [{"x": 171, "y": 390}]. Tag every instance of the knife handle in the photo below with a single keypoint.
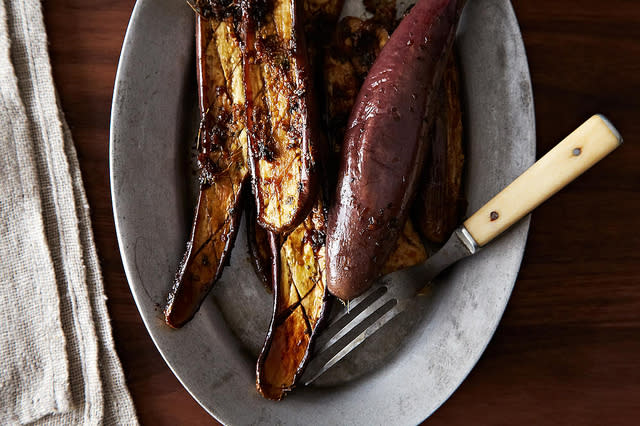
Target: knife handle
[{"x": 583, "y": 148}]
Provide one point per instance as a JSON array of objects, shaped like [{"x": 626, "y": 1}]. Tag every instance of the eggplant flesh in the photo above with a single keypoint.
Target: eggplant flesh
[
  {"x": 300, "y": 304},
  {"x": 385, "y": 147},
  {"x": 440, "y": 204},
  {"x": 222, "y": 161},
  {"x": 409, "y": 250},
  {"x": 281, "y": 117},
  {"x": 319, "y": 17}
]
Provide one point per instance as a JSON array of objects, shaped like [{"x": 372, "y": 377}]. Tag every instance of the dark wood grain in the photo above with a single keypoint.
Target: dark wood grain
[{"x": 568, "y": 348}]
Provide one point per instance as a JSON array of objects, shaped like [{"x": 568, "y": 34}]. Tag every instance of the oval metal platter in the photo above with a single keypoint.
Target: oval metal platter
[{"x": 153, "y": 120}]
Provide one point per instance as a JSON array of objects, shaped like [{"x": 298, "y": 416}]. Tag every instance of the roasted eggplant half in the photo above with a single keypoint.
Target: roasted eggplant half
[
  {"x": 440, "y": 203},
  {"x": 300, "y": 304},
  {"x": 384, "y": 148},
  {"x": 282, "y": 119},
  {"x": 354, "y": 48},
  {"x": 319, "y": 17},
  {"x": 222, "y": 160}
]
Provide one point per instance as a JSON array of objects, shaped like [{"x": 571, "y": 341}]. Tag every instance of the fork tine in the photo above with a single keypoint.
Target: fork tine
[
  {"x": 352, "y": 339},
  {"x": 339, "y": 324}
]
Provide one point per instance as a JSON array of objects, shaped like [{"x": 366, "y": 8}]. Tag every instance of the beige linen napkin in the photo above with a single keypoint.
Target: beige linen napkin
[{"x": 58, "y": 364}]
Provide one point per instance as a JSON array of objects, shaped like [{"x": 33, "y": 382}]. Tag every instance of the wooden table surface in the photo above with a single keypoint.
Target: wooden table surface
[{"x": 567, "y": 350}]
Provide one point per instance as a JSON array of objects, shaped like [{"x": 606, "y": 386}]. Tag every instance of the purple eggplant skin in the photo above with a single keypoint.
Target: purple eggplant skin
[
  {"x": 259, "y": 247},
  {"x": 384, "y": 150}
]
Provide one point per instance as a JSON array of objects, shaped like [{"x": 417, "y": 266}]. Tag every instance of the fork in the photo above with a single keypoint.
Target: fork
[{"x": 351, "y": 325}]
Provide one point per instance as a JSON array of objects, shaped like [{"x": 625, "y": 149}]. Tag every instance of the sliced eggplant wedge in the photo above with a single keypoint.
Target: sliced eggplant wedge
[
  {"x": 320, "y": 16},
  {"x": 300, "y": 304},
  {"x": 281, "y": 115},
  {"x": 222, "y": 159},
  {"x": 440, "y": 203}
]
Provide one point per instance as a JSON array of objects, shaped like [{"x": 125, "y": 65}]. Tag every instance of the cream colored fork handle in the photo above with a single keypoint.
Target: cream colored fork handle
[{"x": 583, "y": 148}]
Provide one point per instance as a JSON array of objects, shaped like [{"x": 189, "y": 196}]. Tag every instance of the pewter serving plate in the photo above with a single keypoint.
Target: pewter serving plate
[{"x": 404, "y": 374}]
